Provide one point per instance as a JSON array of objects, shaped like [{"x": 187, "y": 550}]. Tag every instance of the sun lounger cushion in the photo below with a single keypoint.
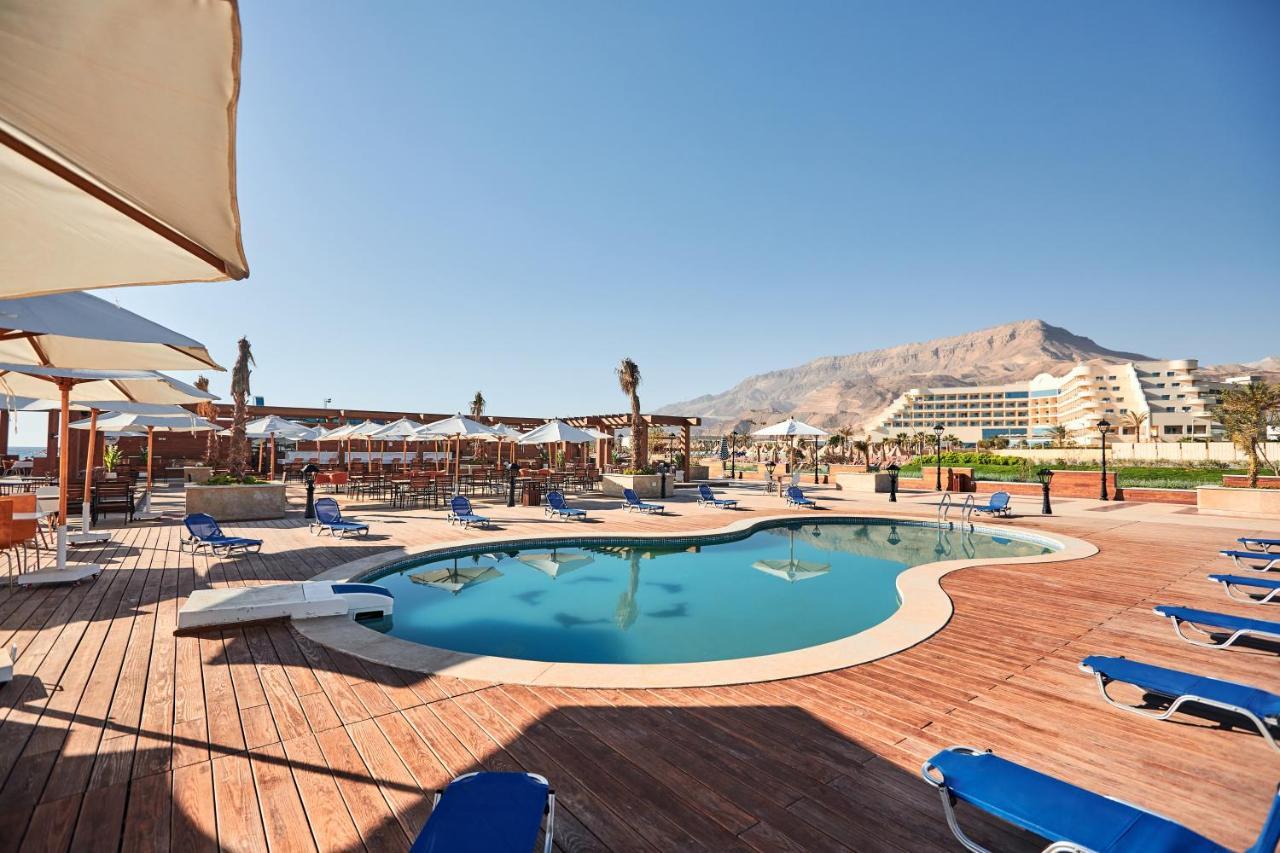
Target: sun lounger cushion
[
  {"x": 1172, "y": 683},
  {"x": 1259, "y": 582},
  {"x": 1057, "y": 810},
  {"x": 485, "y": 813},
  {"x": 1268, "y": 588},
  {"x": 1258, "y": 540},
  {"x": 1219, "y": 620},
  {"x": 1260, "y": 556}
]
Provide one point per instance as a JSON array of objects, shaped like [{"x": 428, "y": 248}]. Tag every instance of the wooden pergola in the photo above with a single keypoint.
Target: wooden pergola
[{"x": 606, "y": 423}]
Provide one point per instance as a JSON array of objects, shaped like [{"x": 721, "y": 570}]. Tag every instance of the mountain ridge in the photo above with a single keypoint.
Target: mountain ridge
[{"x": 838, "y": 390}]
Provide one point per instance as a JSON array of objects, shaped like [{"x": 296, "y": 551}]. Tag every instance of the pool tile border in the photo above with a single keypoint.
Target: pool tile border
[{"x": 925, "y": 610}]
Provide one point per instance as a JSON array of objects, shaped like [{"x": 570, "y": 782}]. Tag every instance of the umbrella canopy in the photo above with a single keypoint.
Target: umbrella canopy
[
  {"x": 554, "y": 431},
  {"x": 455, "y": 580},
  {"x": 597, "y": 434},
  {"x": 458, "y": 426},
  {"x": 792, "y": 570},
  {"x": 179, "y": 420},
  {"x": 274, "y": 426},
  {"x": 403, "y": 428},
  {"x": 504, "y": 431},
  {"x": 338, "y": 432},
  {"x": 106, "y": 387},
  {"x": 117, "y": 145},
  {"x": 555, "y": 564},
  {"x": 790, "y": 426},
  {"x": 82, "y": 330}
]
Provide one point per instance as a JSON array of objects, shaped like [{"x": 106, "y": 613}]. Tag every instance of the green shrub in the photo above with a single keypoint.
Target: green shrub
[
  {"x": 228, "y": 480},
  {"x": 645, "y": 470}
]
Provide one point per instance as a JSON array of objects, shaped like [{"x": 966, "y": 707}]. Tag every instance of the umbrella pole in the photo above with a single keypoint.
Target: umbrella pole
[
  {"x": 271, "y": 475},
  {"x": 144, "y": 512},
  {"x": 64, "y": 470},
  {"x": 85, "y": 535}
]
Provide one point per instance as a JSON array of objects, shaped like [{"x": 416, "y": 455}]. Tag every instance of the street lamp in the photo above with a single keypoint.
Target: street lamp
[
  {"x": 768, "y": 467},
  {"x": 1103, "y": 428},
  {"x": 937, "y": 442},
  {"x": 309, "y": 472},
  {"x": 1044, "y": 475},
  {"x": 815, "y": 460},
  {"x": 893, "y": 482}
]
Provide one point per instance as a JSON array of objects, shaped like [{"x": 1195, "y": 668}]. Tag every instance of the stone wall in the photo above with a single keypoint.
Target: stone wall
[{"x": 238, "y": 503}]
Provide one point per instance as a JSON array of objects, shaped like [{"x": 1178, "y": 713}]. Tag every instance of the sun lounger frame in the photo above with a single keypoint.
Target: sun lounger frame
[{"x": 1236, "y": 635}]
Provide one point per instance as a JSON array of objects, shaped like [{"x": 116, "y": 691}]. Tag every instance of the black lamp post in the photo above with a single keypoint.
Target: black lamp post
[
  {"x": 733, "y": 454},
  {"x": 309, "y": 472},
  {"x": 893, "y": 483},
  {"x": 1103, "y": 428},
  {"x": 1044, "y": 475},
  {"x": 894, "y": 538},
  {"x": 768, "y": 467},
  {"x": 512, "y": 470},
  {"x": 815, "y": 460},
  {"x": 937, "y": 443}
]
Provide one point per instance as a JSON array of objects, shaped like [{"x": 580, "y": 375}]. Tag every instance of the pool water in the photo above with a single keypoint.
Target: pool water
[{"x": 777, "y": 589}]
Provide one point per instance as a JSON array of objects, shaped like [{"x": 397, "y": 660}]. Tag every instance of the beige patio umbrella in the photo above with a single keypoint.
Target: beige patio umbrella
[
  {"x": 117, "y": 144},
  {"x": 457, "y": 427}
]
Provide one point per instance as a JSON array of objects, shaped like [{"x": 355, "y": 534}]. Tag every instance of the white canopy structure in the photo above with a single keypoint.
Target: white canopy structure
[
  {"x": 505, "y": 432},
  {"x": 273, "y": 427},
  {"x": 403, "y": 429},
  {"x": 556, "y": 431},
  {"x": 789, "y": 427},
  {"x": 791, "y": 569},
  {"x": 117, "y": 144},
  {"x": 82, "y": 330},
  {"x": 457, "y": 427},
  {"x": 554, "y": 564}
]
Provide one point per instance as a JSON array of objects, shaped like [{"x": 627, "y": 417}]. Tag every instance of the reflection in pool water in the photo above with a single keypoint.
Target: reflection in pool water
[{"x": 778, "y": 589}]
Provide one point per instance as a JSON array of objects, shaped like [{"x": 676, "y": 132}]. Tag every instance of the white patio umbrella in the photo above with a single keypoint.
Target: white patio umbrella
[
  {"x": 128, "y": 386},
  {"x": 457, "y": 427},
  {"x": 792, "y": 428},
  {"x": 791, "y": 569},
  {"x": 556, "y": 431},
  {"x": 273, "y": 427},
  {"x": 505, "y": 432},
  {"x": 177, "y": 419},
  {"x": 554, "y": 564},
  {"x": 117, "y": 145},
  {"x": 403, "y": 429},
  {"x": 454, "y": 580}
]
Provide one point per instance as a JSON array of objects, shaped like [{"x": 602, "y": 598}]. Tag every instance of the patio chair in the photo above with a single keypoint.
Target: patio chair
[
  {"x": 557, "y": 507},
  {"x": 1257, "y": 543},
  {"x": 203, "y": 532},
  {"x": 706, "y": 497},
  {"x": 631, "y": 501},
  {"x": 795, "y": 497},
  {"x": 329, "y": 517},
  {"x": 489, "y": 812},
  {"x": 460, "y": 512},
  {"x": 1074, "y": 819},
  {"x": 1267, "y": 589},
  {"x": 1181, "y": 688},
  {"x": 1254, "y": 561},
  {"x": 1232, "y": 627},
  {"x": 996, "y": 505}
]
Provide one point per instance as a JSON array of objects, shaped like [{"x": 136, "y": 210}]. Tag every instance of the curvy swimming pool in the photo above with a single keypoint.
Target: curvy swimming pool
[{"x": 782, "y": 587}]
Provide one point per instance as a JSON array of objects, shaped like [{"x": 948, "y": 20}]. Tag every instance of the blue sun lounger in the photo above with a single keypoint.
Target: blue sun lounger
[
  {"x": 1254, "y": 561},
  {"x": 460, "y": 512},
  {"x": 997, "y": 504},
  {"x": 1180, "y": 688},
  {"x": 1233, "y": 626},
  {"x": 706, "y": 497},
  {"x": 631, "y": 501},
  {"x": 203, "y": 532},
  {"x": 1267, "y": 589},
  {"x": 1073, "y": 818},
  {"x": 489, "y": 813},
  {"x": 329, "y": 517},
  {"x": 1259, "y": 543},
  {"x": 795, "y": 497},
  {"x": 558, "y": 507}
]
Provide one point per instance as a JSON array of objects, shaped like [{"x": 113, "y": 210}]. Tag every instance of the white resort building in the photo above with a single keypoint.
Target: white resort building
[{"x": 1176, "y": 404}]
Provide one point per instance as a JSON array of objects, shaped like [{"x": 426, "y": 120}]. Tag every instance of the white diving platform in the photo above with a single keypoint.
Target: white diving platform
[{"x": 206, "y": 608}]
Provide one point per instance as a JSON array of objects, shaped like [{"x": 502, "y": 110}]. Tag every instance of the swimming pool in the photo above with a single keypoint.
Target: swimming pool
[{"x": 781, "y": 587}]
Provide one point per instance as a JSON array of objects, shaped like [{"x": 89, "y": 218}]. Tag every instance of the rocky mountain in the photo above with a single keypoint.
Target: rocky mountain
[{"x": 841, "y": 390}]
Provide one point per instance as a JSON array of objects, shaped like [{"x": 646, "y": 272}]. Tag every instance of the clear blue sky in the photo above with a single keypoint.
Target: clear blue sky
[{"x": 439, "y": 198}]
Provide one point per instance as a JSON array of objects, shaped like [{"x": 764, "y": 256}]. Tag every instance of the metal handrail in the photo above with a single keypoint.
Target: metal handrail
[
  {"x": 944, "y": 507},
  {"x": 966, "y": 511}
]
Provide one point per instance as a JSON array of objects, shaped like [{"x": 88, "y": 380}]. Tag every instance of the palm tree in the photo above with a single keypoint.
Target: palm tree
[
  {"x": 628, "y": 373},
  {"x": 238, "y": 459},
  {"x": 207, "y": 410},
  {"x": 627, "y": 610},
  {"x": 864, "y": 448},
  {"x": 846, "y": 441},
  {"x": 477, "y": 405},
  {"x": 951, "y": 441},
  {"x": 1135, "y": 420},
  {"x": 1059, "y": 435},
  {"x": 902, "y": 441},
  {"x": 1246, "y": 413}
]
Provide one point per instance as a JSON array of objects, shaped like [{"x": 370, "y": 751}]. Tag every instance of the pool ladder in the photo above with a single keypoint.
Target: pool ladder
[{"x": 966, "y": 512}]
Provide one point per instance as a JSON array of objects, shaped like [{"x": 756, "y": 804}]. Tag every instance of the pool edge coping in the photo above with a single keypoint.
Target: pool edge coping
[{"x": 926, "y": 609}]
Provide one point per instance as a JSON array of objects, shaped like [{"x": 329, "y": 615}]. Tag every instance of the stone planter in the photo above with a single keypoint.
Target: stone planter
[
  {"x": 238, "y": 503},
  {"x": 645, "y": 485},
  {"x": 699, "y": 472},
  {"x": 864, "y": 482},
  {"x": 1251, "y": 501},
  {"x": 196, "y": 473}
]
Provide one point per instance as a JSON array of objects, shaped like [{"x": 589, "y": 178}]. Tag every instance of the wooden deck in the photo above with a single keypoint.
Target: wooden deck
[{"x": 118, "y": 735}]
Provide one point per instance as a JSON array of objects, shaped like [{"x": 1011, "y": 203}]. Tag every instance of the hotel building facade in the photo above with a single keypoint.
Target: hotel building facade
[{"x": 1177, "y": 404}]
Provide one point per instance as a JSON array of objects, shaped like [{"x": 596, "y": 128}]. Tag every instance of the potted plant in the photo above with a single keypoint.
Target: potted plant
[{"x": 111, "y": 457}]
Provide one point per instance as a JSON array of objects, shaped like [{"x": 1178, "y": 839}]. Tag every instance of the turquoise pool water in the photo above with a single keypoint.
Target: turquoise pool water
[{"x": 777, "y": 589}]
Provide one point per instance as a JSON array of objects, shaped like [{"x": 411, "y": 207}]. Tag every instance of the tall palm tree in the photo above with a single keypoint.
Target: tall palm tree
[
  {"x": 628, "y": 610},
  {"x": 951, "y": 441},
  {"x": 846, "y": 440},
  {"x": 207, "y": 410},
  {"x": 1135, "y": 420},
  {"x": 1059, "y": 435},
  {"x": 239, "y": 455},
  {"x": 902, "y": 441},
  {"x": 628, "y": 373},
  {"x": 1246, "y": 413},
  {"x": 864, "y": 448},
  {"x": 477, "y": 405}
]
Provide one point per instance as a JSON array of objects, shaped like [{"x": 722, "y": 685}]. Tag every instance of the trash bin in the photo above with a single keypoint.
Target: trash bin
[{"x": 532, "y": 495}]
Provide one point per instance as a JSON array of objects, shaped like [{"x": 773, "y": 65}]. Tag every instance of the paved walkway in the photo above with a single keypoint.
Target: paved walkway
[{"x": 118, "y": 735}]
